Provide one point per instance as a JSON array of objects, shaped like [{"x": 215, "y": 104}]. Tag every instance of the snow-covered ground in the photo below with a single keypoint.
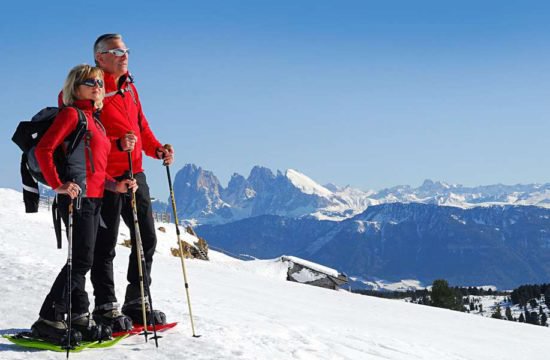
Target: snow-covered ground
[
  {"x": 489, "y": 305},
  {"x": 246, "y": 310}
]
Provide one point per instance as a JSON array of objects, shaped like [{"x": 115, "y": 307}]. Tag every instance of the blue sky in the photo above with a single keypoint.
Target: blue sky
[{"x": 367, "y": 93}]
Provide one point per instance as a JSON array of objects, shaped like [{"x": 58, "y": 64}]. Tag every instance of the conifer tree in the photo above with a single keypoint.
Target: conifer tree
[
  {"x": 497, "y": 313},
  {"x": 508, "y": 313},
  {"x": 543, "y": 320},
  {"x": 445, "y": 297},
  {"x": 547, "y": 297},
  {"x": 534, "y": 318}
]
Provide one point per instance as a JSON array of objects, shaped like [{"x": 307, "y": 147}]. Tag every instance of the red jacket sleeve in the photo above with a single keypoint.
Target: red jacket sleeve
[
  {"x": 65, "y": 123},
  {"x": 150, "y": 144}
]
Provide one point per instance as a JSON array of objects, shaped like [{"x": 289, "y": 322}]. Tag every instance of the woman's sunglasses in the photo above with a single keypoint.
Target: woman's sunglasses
[{"x": 92, "y": 83}]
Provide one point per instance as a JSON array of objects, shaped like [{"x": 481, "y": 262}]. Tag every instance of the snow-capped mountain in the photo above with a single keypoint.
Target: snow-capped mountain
[
  {"x": 201, "y": 197},
  {"x": 441, "y": 193},
  {"x": 197, "y": 192}
]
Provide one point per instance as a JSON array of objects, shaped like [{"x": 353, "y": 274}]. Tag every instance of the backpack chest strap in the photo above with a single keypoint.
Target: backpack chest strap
[{"x": 122, "y": 91}]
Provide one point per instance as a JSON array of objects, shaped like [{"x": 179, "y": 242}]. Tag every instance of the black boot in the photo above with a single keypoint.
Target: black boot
[
  {"x": 108, "y": 314},
  {"x": 55, "y": 332},
  {"x": 89, "y": 329},
  {"x": 134, "y": 312},
  {"x": 132, "y": 307}
]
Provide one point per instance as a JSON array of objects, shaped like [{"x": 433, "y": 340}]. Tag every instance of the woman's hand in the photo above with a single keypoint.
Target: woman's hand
[
  {"x": 69, "y": 188},
  {"x": 123, "y": 185}
]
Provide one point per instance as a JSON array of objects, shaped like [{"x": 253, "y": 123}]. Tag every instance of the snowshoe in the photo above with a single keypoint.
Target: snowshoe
[{"x": 55, "y": 332}]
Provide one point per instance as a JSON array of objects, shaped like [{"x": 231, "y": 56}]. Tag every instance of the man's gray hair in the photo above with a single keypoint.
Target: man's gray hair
[{"x": 101, "y": 43}]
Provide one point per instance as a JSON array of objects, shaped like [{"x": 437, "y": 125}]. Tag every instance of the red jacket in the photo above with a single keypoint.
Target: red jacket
[
  {"x": 122, "y": 113},
  {"x": 88, "y": 172}
]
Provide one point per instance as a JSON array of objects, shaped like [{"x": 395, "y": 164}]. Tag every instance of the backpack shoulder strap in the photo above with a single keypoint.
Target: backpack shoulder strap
[{"x": 81, "y": 129}]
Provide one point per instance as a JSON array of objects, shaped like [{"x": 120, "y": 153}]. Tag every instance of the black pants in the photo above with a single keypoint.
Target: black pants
[
  {"x": 115, "y": 205},
  {"x": 85, "y": 225}
]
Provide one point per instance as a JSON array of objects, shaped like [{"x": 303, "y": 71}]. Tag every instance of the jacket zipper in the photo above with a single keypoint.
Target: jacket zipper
[{"x": 87, "y": 140}]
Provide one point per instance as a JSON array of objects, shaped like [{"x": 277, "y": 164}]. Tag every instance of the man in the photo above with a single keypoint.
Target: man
[{"x": 122, "y": 112}]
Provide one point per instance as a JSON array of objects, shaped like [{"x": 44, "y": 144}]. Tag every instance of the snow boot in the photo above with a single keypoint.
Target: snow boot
[
  {"x": 108, "y": 314},
  {"x": 55, "y": 332},
  {"x": 89, "y": 329},
  {"x": 134, "y": 312}
]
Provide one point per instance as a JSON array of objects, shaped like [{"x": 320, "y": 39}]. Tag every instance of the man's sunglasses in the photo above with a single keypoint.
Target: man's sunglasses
[
  {"x": 117, "y": 52},
  {"x": 92, "y": 83}
]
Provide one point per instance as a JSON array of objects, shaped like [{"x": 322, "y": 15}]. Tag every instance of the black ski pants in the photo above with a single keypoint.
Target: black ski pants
[
  {"x": 85, "y": 225},
  {"x": 114, "y": 206}
]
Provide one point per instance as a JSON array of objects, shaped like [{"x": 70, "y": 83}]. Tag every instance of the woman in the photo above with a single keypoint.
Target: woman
[{"x": 80, "y": 181}]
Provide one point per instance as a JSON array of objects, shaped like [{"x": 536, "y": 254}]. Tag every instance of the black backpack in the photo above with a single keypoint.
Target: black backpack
[{"x": 26, "y": 136}]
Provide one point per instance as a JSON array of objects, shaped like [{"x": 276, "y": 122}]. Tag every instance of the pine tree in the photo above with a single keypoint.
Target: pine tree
[
  {"x": 543, "y": 320},
  {"x": 445, "y": 297},
  {"x": 547, "y": 297},
  {"x": 508, "y": 313},
  {"x": 497, "y": 313},
  {"x": 521, "y": 318},
  {"x": 527, "y": 316},
  {"x": 534, "y": 318}
]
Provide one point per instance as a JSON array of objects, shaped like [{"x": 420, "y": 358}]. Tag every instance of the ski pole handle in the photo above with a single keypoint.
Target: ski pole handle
[{"x": 169, "y": 148}]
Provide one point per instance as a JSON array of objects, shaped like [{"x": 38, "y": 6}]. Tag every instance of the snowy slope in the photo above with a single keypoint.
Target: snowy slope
[{"x": 245, "y": 310}]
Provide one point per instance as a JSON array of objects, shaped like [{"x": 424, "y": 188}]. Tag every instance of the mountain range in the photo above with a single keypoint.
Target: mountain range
[
  {"x": 486, "y": 235},
  {"x": 201, "y": 197},
  {"x": 504, "y": 246}
]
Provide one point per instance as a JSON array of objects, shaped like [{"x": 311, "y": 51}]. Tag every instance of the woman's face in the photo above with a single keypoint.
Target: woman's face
[{"x": 90, "y": 89}]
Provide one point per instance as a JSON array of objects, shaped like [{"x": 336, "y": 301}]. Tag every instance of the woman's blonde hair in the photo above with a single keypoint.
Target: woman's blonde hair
[{"x": 78, "y": 74}]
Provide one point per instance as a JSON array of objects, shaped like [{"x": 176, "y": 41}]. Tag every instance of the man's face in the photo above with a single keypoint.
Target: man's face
[{"x": 116, "y": 65}]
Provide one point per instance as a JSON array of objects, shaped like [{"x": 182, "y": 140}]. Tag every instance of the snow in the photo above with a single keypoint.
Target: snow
[
  {"x": 403, "y": 285},
  {"x": 311, "y": 265},
  {"x": 246, "y": 310},
  {"x": 306, "y": 184},
  {"x": 306, "y": 275},
  {"x": 455, "y": 217}
]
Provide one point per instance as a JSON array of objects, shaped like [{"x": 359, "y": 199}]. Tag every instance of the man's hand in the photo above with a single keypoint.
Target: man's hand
[
  {"x": 128, "y": 142},
  {"x": 166, "y": 153},
  {"x": 127, "y": 184}
]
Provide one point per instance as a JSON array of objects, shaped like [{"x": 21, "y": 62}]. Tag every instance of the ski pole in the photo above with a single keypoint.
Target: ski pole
[
  {"x": 69, "y": 276},
  {"x": 180, "y": 246},
  {"x": 141, "y": 263}
]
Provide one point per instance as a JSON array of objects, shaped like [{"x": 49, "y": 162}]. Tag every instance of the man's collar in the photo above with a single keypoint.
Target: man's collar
[{"x": 110, "y": 83}]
